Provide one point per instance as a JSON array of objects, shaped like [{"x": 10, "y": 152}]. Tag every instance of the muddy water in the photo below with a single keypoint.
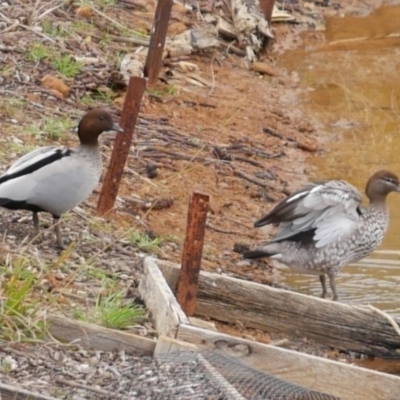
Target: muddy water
[{"x": 352, "y": 74}]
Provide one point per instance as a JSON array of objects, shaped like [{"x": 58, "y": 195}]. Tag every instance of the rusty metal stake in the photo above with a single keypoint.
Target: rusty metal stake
[
  {"x": 267, "y": 7},
  {"x": 157, "y": 41},
  {"x": 192, "y": 252},
  {"x": 122, "y": 145}
]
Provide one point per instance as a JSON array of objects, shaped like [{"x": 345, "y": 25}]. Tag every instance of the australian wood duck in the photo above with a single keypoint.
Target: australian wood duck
[
  {"x": 323, "y": 226},
  {"x": 57, "y": 179}
]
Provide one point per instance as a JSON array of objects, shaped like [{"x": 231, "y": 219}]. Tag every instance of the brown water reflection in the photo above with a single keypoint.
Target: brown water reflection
[{"x": 352, "y": 88}]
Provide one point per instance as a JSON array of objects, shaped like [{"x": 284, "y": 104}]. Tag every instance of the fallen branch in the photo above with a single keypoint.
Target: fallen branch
[
  {"x": 74, "y": 384},
  {"x": 213, "y": 228},
  {"x": 252, "y": 179}
]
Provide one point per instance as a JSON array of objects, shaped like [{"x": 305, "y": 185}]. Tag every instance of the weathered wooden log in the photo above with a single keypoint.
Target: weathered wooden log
[
  {"x": 98, "y": 337},
  {"x": 342, "y": 326},
  {"x": 8, "y": 392},
  {"x": 166, "y": 311}
]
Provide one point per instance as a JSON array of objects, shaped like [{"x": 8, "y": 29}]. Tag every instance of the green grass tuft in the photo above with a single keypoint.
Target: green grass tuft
[
  {"x": 144, "y": 242},
  {"x": 20, "y": 312},
  {"x": 67, "y": 66}
]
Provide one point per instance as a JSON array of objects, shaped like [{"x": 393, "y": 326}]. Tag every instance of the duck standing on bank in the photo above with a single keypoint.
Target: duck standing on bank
[
  {"x": 323, "y": 227},
  {"x": 57, "y": 179}
]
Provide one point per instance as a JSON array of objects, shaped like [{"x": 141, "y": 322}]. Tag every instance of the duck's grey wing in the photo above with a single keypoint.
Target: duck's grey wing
[
  {"x": 288, "y": 209},
  {"x": 331, "y": 209},
  {"x": 32, "y": 158}
]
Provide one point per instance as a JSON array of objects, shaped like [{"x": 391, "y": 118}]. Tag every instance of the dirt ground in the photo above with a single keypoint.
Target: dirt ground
[{"x": 231, "y": 133}]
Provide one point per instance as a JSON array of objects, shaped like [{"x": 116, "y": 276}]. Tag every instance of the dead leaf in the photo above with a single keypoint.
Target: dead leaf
[
  {"x": 34, "y": 98},
  {"x": 58, "y": 95},
  {"x": 53, "y": 283},
  {"x": 263, "y": 68},
  {"x": 176, "y": 28},
  {"x": 53, "y": 83},
  {"x": 84, "y": 11}
]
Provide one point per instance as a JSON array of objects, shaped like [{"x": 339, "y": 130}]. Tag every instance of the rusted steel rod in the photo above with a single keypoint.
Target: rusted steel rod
[
  {"x": 192, "y": 252},
  {"x": 122, "y": 145},
  {"x": 157, "y": 41},
  {"x": 267, "y": 7}
]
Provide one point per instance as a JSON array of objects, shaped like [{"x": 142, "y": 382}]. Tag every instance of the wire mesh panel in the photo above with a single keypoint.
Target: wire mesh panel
[{"x": 204, "y": 376}]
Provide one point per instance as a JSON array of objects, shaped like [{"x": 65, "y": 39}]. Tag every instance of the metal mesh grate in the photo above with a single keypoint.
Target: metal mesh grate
[{"x": 206, "y": 376}]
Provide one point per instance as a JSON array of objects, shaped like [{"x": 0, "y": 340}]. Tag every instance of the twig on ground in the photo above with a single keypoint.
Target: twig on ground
[
  {"x": 67, "y": 382},
  {"x": 213, "y": 228}
]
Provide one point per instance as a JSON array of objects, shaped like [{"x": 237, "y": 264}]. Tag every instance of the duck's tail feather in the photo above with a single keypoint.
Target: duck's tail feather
[
  {"x": 270, "y": 249},
  {"x": 255, "y": 254}
]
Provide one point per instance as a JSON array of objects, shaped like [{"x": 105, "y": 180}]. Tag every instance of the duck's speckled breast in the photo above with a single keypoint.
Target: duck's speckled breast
[{"x": 332, "y": 258}]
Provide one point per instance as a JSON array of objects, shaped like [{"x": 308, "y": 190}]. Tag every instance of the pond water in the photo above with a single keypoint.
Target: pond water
[{"x": 353, "y": 92}]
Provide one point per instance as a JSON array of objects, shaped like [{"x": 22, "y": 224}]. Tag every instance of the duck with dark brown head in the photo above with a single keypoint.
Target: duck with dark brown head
[
  {"x": 323, "y": 227},
  {"x": 57, "y": 179}
]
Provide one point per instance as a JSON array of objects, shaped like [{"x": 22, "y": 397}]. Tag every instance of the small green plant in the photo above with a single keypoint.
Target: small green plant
[
  {"x": 114, "y": 312},
  {"x": 38, "y": 52},
  {"x": 5, "y": 366},
  {"x": 67, "y": 66},
  {"x": 6, "y": 71},
  {"x": 144, "y": 242},
  {"x": 51, "y": 128},
  {"x": 87, "y": 100},
  {"x": 107, "y": 2},
  {"x": 56, "y": 127},
  {"x": 99, "y": 95},
  {"x": 19, "y": 311},
  {"x": 172, "y": 90},
  {"x": 51, "y": 29}
]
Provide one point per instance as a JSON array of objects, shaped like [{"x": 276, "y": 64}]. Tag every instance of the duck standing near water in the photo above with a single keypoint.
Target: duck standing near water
[
  {"x": 57, "y": 179},
  {"x": 323, "y": 227}
]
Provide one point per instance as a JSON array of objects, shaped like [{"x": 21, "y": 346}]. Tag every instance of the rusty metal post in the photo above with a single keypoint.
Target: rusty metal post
[
  {"x": 267, "y": 6},
  {"x": 192, "y": 252},
  {"x": 122, "y": 145},
  {"x": 157, "y": 41}
]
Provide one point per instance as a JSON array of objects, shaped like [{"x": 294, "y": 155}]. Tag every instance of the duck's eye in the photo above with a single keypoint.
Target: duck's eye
[
  {"x": 390, "y": 180},
  {"x": 102, "y": 118}
]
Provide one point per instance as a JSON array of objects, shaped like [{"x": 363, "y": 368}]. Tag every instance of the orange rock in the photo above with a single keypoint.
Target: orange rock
[{"x": 53, "y": 83}]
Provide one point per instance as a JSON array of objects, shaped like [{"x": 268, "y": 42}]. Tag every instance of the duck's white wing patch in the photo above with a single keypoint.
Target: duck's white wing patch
[
  {"x": 331, "y": 208},
  {"x": 32, "y": 158},
  {"x": 333, "y": 229}
]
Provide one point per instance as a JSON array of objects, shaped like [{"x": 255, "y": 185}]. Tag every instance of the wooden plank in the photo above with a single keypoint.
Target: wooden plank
[
  {"x": 98, "y": 337},
  {"x": 342, "y": 326},
  {"x": 192, "y": 252},
  {"x": 201, "y": 323},
  {"x": 8, "y": 392},
  {"x": 337, "y": 379},
  {"x": 160, "y": 300},
  {"x": 167, "y": 345}
]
